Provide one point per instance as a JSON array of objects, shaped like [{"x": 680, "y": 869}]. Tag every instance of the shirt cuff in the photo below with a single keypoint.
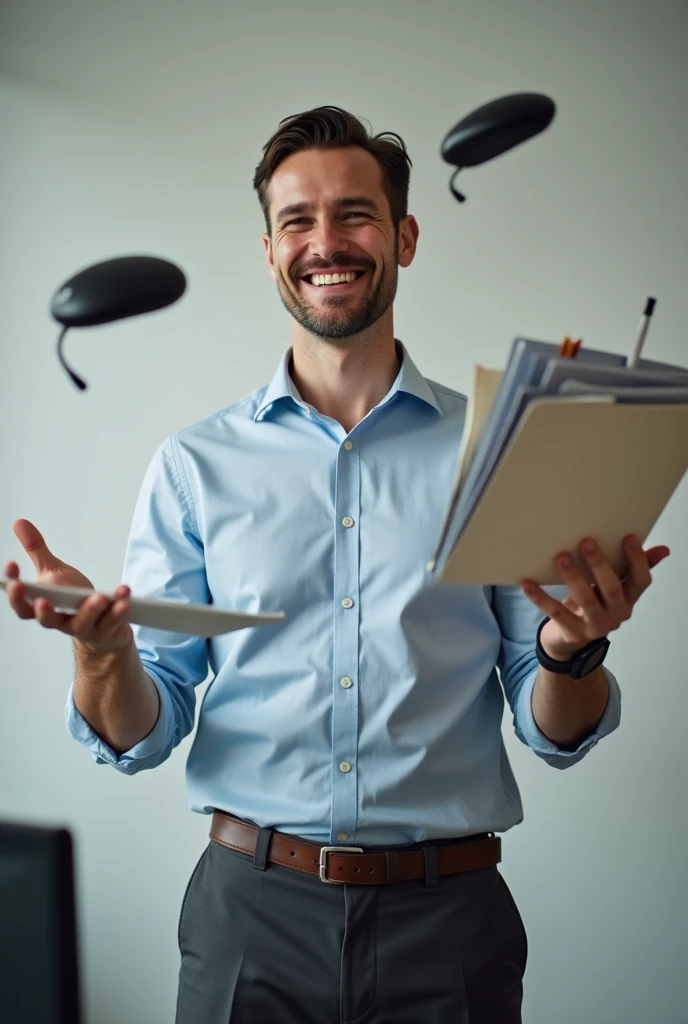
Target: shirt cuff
[
  {"x": 147, "y": 753},
  {"x": 528, "y": 732}
]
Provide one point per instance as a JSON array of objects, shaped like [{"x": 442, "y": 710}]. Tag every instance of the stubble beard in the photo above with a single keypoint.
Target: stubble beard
[{"x": 352, "y": 320}]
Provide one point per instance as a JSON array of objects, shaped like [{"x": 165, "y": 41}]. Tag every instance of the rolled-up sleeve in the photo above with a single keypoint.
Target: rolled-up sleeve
[
  {"x": 165, "y": 561},
  {"x": 518, "y": 666}
]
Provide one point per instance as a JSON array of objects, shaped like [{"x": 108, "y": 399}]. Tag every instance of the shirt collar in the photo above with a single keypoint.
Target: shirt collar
[
  {"x": 281, "y": 386},
  {"x": 409, "y": 379}
]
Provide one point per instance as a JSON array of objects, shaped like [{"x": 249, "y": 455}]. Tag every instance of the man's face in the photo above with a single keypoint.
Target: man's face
[{"x": 330, "y": 216}]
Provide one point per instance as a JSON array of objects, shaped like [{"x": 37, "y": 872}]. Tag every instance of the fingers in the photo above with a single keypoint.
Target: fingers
[
  {"x": 560, "y": 612},
  {"x": 640, "y": 562},
  {"x": 90, "y": 611},
  {"x": 112, "y": 618},
  {"x": 31, "y": 539},
  {"x": 95, "y": 620},
  {"x": 589, "y": 611},
  {"x": 45, "y": 614},
  {"x": 595, "y": 609},
  {"x": 656, "y": 555},
  {"x": 582, "y": 614},
  {"x": 16, "y": 595},
  {"x": 610, "y": 600},
  {"x": 11, "y": 570},
  {"x": 97, "y": 612},
  {"x": 106, "y": 626}
]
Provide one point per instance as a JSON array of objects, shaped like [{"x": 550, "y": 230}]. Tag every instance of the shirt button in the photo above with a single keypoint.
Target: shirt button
[
  {"x": 348, "y": 445},
  {"x": 346, "y": 682},
  {"x": 345, "y": 766},
  {"x": 347, "y": 603},
  {"x": 342, "y": 836},
  {"x": 347, "y": 521}
]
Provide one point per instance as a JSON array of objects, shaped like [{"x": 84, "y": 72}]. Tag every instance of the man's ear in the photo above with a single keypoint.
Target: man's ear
[
  {"x": 268, "y": 252},
  {"x": 408, "y": 240}
]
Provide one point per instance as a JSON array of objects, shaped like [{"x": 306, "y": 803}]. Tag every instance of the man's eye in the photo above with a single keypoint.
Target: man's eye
[{"x": 304, "y": 220}]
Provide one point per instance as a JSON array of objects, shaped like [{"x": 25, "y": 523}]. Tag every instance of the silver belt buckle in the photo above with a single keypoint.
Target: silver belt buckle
[{"x": 324, "y": 850}]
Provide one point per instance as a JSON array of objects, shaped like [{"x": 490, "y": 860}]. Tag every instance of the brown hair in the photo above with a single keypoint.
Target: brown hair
[{"x": 329, "y": 128}]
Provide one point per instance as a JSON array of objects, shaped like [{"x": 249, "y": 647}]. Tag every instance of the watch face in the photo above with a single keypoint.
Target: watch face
[{"x": 594, "y": 660}]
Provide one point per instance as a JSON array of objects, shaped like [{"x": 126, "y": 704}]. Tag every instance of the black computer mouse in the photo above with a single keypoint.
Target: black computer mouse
[
  {"x": 496, "y": 127},
  {"x": 118, "y": 288}
]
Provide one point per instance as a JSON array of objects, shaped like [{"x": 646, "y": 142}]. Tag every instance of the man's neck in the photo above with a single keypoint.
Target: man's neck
[{"x": 348, "y": 378}]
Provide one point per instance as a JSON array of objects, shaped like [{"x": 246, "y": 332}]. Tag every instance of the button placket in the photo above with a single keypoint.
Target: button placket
[{"x": 346, "y": 639}]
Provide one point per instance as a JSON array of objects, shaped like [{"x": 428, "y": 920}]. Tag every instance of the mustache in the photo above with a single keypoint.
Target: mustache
[{"x": 313, "y": 266}]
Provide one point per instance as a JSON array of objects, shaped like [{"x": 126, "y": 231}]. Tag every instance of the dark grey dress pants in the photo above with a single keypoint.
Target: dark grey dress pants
[{"x": 276, "y": 946}]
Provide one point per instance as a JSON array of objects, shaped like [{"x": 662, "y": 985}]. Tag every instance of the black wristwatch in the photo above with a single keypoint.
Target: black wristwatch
[{"x": 582, "y": 664}]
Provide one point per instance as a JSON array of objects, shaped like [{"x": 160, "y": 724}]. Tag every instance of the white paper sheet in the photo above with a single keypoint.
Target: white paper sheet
[{"x": 174, "y": 616}]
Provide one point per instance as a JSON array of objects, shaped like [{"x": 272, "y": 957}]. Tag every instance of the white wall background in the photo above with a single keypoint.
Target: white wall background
[{"x": 135, "y": 127}]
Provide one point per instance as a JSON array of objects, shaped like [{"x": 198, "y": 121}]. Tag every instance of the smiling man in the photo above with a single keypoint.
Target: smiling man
[
  {"x": 345, "y": 295},
  {"x": 350, "y": 756},
  {"x": 335, "y": 241}
]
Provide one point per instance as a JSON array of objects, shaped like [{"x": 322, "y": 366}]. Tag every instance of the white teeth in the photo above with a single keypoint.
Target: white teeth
[{"x": 323, "y": 279}]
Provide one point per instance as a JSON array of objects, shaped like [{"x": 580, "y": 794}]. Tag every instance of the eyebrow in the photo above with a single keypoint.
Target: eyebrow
[{"x": 344, "y": 203}]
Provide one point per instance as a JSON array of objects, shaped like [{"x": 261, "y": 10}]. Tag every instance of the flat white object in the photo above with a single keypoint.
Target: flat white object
[{"x": 174, "y": 616}]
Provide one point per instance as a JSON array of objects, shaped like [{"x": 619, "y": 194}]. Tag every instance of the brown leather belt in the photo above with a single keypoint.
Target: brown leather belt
[{"x": 349, "y": 864}]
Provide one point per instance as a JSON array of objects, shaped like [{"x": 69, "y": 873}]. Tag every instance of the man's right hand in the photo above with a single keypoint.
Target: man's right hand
[{"x": 98, "y": 624}]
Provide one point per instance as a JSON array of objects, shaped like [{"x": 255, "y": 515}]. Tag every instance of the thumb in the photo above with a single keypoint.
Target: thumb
[
  {"x": 31, "y": 539},
  {"x": 656, "y": 555}
]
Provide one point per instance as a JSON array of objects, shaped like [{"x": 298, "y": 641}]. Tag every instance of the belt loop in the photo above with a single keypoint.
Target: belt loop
[
  {"x": 432, "y": 875},
  {"x": 260, "y": 856},
  {"x": 392, "y": 858}
]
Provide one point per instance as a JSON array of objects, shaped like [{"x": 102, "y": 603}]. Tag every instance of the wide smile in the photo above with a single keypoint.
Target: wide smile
[{"x": 334, "y": 283}]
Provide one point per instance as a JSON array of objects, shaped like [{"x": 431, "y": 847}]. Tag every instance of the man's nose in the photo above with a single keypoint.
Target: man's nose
[{"x": 327, "y": 239}]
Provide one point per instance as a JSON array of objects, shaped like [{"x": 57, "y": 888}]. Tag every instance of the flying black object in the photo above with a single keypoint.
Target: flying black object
[
  {"x": 495, "y": 128},
  {"x": 112, "y": 290}
]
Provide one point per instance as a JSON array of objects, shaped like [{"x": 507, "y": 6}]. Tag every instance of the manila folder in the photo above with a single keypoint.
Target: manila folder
[{"x": 572, "y": 469}]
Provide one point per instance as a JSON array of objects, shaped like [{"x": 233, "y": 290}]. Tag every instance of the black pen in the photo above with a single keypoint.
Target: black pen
[{"x": 642, "y": 331}]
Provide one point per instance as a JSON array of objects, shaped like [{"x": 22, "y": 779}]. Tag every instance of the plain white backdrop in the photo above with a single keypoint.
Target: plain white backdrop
[{"x": 135, "y": 127}]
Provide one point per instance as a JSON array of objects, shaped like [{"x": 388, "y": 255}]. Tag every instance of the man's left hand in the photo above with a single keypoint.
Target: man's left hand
[{"x": 592, "y": 610}]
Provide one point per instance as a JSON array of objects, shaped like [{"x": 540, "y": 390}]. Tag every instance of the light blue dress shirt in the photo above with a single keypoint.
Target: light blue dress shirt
[{"x": 372, "y": 713}]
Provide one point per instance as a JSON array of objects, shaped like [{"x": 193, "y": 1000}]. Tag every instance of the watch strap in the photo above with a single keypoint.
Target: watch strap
[{"x": 583, "y": 662}]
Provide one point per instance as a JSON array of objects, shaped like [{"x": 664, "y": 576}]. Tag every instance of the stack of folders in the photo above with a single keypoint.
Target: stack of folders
[{"x": 556, "y": 449}]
